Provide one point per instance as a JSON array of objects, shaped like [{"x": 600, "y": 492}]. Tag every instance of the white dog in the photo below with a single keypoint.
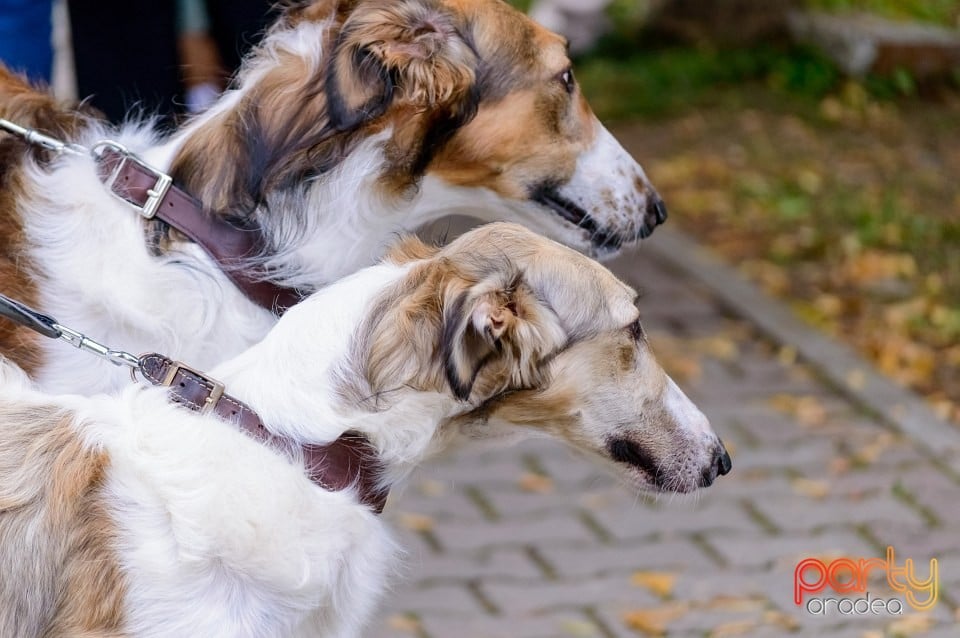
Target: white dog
[
  {"x": 352, "y": 121},
  {"x": 130, "y": 516}
]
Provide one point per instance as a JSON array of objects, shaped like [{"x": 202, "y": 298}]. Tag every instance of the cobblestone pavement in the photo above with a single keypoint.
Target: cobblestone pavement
[{"x": 533, "y": 542}]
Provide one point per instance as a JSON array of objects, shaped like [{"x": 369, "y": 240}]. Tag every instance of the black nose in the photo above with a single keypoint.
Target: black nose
[
  {"x": 658, "y": 210},
  {"x": 724, "y": 464}
]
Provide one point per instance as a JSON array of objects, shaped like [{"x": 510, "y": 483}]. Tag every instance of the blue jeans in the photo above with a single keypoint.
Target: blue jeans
[{"x": 25, "y": 31}]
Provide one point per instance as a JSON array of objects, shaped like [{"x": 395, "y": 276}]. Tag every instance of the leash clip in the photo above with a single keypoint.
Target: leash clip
[
  {"x": 35, "y": 137},
  {"x": 85, "y": 343}
]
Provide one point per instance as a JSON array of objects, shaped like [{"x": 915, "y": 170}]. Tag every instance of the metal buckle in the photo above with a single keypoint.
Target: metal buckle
[
  {"x": 154, "y": 195},
  {"x": 216, "y": 391}
]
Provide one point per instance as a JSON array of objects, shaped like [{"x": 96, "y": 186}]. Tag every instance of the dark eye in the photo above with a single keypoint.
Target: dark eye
[
  {"x": 636, "y": 330},
  {"x": 569, "y": 82}
]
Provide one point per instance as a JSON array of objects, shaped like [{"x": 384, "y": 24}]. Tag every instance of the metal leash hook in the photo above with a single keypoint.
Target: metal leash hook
[
  {"x": 35, "y": 137},
  {"x": 49, "y": 327}
]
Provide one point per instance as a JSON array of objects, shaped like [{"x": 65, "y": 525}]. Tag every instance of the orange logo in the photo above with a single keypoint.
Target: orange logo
[{"x": 849, "y": 576}]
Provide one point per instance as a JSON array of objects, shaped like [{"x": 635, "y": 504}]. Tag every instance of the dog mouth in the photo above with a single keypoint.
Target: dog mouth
[
  {"x": 602, "y": 239},
  {"x": 574, "y": 214},
  {"x": 629, "y": 453}
]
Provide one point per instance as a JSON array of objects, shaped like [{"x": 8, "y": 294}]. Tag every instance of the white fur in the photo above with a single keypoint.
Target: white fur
[{"x": 97, "y": 276}]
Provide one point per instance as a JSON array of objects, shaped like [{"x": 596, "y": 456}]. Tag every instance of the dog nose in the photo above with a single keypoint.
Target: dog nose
[
  {"x": 724, "y": 464},
  {"x": 657, "y": 209}
]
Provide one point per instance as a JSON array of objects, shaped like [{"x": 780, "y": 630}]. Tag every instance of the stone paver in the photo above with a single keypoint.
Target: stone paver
[{"x": 534, "y": 542}]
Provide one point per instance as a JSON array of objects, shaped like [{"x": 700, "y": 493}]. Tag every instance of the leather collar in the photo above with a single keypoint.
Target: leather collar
[
  {"x": 154, "y": 196},
  {"x": 350, "y": 461}
]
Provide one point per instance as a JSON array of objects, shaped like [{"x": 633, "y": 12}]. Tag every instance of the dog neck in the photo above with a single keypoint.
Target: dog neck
[{"x": 292, "y": 379}]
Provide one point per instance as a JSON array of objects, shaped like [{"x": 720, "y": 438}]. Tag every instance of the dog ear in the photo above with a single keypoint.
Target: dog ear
[
  {"x": 409, "y": 51},
  {"x": 474, "y": 327}
]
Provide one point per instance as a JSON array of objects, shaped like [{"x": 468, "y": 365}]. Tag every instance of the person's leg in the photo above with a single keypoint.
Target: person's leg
[
  {"x": 126, "y": 55},
  {"x": 25, "y": 29}
]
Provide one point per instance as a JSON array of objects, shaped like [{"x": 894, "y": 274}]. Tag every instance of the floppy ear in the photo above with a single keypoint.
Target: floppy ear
[
  {"x": 409, "y": 51},
  {"x": 473, "y": 327}
]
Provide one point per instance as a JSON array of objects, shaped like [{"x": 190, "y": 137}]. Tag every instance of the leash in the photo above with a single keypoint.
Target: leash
[
  {"x": 350, "y": 461},
  {"x": 153, "y": 195}
]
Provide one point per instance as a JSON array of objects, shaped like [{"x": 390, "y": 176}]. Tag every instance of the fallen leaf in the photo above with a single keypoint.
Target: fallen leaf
[
  {"x": 780, "y": 619},
  {"x": 911, "y": 625},
  {"x": 536, "y": 483},
  {"x": 816, "y": 489},
  {"x": 856, "y": 379},
  {"x": 416, "y": 522},
  {"x": 734, "y": 628},
  {"x": 660, "y": 583},
  {"x": 807, "y": 410},
  {"x": 787, "y": 356},
  {"x": 432, "y": 489},
  {"x": 404, "y": 623},
  {"x": 654, "y": 621}
]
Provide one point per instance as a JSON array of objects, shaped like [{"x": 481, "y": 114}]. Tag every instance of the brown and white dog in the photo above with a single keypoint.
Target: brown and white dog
[
  {"x": 129, "y": 516},
  {"x": 352, "y": 121}
]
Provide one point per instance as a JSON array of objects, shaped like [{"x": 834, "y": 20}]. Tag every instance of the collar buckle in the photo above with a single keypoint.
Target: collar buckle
[
  {"x": 215, "y": 389},
  {"x": 154, "y": 195}
]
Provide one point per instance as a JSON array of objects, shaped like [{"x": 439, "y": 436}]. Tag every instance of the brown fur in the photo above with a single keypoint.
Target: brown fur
[
  {"x": 28, "y": 107},
  {"x": 61, "y": 576},
  {"x": 468, "y": 88},
  {"x": 469, "y": 320}
]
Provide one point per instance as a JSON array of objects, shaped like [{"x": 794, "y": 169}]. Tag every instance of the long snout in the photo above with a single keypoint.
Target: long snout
[
  {"x": 711, "y": 455},
  {"x": 613, "y": 189}
]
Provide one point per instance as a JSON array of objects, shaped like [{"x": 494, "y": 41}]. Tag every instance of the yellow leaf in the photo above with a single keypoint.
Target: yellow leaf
[
  {"x": 536, "y": 483},
  {"x": 654, "y": 621},
  {"x": 432, "y": 489},
  {"x": 781, "y": 619},
  {"x": 406, "y": 624},
  {"x": 416, "y": 522},
  {"x": 810, "y": 488},
  {"x": 660, "y": 583},
  {"x": 735, "y": 628},
  {"x": 856, "y": 379},
  {"x": 911, "y": 625},
  {"x": 787, "y": 356}
]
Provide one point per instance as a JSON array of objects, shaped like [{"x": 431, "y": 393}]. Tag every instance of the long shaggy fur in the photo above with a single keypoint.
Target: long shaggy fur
[
  {"x": 353, "y": 120},
  {"x": 125, "y": 515}
]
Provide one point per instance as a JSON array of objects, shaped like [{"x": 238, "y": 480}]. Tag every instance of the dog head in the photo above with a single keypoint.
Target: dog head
[
  {"x": 461, "y": 96},
  {"x": 529, "y": 336}
]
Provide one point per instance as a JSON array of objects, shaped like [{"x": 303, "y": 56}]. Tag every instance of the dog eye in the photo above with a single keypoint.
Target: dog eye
[{"x": 569, "y": 82}]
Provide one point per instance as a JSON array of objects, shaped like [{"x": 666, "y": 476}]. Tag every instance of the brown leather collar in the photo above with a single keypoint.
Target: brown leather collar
[
  {"x": 153, "y": 195},
  {"x": 350, "y": 461}
]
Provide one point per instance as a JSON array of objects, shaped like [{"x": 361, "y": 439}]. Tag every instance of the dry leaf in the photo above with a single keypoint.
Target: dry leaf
[
  {"x": 536, "y": 483},
  {"x": 816, "y": 489},
  {"x": 433, "y": 489},
  {"x": 654, "y": 621},
  {"x": 404, "y": 623},
  {"x": 416, "y": 522},
  {"x": 660, "y": 583},
  {"x": 911, "y": 625},
  {"x": 856, "y": 379},
  {"x": 734, "y": 628},
  {"x": 780, "y": 619},
  {"x": 807, "y": 410}
]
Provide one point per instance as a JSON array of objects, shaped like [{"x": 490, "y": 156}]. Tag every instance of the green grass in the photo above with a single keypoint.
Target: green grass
[
  {"x": 942, "y": 12},
  {"x": 651, "y": 83}
]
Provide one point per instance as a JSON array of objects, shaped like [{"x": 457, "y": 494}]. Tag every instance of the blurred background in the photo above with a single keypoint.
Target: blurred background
[{"x": 814, "y": 143}]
